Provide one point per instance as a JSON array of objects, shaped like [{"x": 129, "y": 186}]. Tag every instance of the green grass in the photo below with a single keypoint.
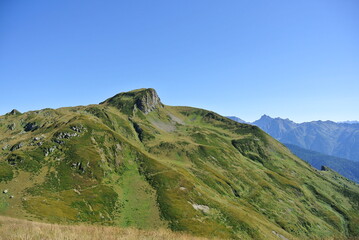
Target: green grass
[
  {"x": 128, "y": 168},
  {"x": 6, "y": 172},
  {"x": 4, "y": 202}
]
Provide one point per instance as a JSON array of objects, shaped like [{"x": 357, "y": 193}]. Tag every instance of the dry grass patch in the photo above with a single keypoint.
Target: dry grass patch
[{"x": 11, "y": 229}]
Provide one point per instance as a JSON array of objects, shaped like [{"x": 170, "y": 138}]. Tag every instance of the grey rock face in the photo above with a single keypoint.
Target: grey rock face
[
  {"x": 149, "y": 101},
  {"x": 145, "y": 100}
]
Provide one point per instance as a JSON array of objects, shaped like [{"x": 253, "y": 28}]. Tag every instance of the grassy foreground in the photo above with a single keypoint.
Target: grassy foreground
[{"x": 12, "y": 228}]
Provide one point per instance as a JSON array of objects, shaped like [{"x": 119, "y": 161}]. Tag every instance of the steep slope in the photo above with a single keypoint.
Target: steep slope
[
  {"x": 133, "y": 161},
  {"x": 336, "y": 139},
  {"x": 345, "y": 167}
]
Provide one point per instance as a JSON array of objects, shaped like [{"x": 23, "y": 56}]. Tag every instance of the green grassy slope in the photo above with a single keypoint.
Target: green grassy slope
[
  {"x": 132, "y": 161},
  {"x": 345, "y": 167}
]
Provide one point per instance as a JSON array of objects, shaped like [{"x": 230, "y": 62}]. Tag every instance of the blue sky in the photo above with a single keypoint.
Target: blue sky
[{"x": 291, "y": 59}]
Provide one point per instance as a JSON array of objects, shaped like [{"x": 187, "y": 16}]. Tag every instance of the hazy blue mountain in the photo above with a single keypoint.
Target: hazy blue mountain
[
  {"x": 276, "y": 127},
  {"x": 237, "y": 119},
  {"x": 318, "y": 135},
  {"x": 330, "y": 138},
  {"x": 347, "y": 168},
  {"x": 350, "y": 122}
]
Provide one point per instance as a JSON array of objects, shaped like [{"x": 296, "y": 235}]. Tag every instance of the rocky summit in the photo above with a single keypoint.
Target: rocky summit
[
  {"x": 132, "y": 161},
  {"x": 145, "y": 100}
]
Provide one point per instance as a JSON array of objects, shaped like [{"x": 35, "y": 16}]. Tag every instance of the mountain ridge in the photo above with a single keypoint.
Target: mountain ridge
[
  {"x": 327, "y": 137},
  {"x": 282, "y": 129},
  {"x": 133, "y": 161}
]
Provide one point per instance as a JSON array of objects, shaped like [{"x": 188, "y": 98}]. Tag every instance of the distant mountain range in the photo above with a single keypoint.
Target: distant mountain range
[
  {"x": 331, "y": 138},
  {"x": 327, "y": 143},
  {"x": 350, "y": 122},
  {"x": 327, "y": 137}
]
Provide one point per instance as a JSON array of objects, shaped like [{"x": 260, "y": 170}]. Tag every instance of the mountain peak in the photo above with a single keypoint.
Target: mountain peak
[
  {"x": 144, "y": 99},
  {"x": 265, "y": 116},
  {"x": 13, "y": 112}
]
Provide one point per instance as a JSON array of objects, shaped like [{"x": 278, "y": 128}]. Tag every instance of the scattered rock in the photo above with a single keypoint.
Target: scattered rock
[
  {"x": 17, "y": 146},
  {"x": 66, "y": 135},
  {"x": 5, "y": 191},
  {"x": 36, "y": 141},
  {"x": 77, "y": 191},
  {"x": 279, "y": 235},
  {"x": 202, "y": 208},
  {"x": 77, "y": 128},
  {"x": 31, "y": 127},
  {"x": 59, "y": 141},
  {"x": 118, "y": 147},
  {"x": 11, "y": 126},
  {"x": 78, "y": 166},
  {"x": 11, "y": 196},
  {"x": 14, "y": 159},
  {"x": 182, "y": 188},
  {"x": 49, "y": 150},
  {"x": 5, "y": 147}
]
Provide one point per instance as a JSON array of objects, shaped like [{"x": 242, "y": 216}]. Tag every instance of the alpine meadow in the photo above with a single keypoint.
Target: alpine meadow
[
  {"x": 179, "y": 120},
  {"x": 132, "y": 161}
]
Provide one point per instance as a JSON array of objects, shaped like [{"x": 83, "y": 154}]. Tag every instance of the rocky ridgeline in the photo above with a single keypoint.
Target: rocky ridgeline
[{"x": 146, "y": 100}]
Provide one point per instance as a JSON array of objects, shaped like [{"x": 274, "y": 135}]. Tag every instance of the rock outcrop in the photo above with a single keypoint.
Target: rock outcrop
[
  {"x": 145, "y": 99},
  {"x": 148, "y": 101},
  {"x": 14, "y": 112},
  {"x": 31, "y": 126}
]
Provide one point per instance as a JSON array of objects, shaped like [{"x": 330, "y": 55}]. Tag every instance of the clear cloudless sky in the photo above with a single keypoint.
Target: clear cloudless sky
[{"x": 290, "y": 59}]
